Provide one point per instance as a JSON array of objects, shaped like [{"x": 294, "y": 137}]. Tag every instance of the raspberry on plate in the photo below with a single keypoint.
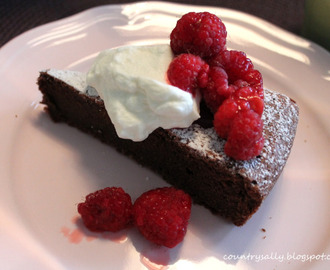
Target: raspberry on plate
[
  {"x": 162, "y": 215},
  {"x": 202, "y": 33},
  {"x": 108, "y": 209},
  {"x": 188, "y": 72}
]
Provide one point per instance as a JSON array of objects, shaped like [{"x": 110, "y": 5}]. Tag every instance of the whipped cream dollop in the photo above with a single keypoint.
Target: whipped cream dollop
[{"x": 133, "y": 84}]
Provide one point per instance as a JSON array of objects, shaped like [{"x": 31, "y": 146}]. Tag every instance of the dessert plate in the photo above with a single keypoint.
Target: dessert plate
[{"x": 46, "y": 169}]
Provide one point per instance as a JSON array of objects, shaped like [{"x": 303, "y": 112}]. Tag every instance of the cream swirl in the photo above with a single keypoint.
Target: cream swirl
[{"x": 132, "y": 82}]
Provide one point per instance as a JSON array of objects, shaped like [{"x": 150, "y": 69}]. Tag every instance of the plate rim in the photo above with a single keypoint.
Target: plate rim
[{"x": 88, "y": 10}]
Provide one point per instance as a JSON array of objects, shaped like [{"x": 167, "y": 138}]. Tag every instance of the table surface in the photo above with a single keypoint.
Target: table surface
[{"x": 18, "y": 16}]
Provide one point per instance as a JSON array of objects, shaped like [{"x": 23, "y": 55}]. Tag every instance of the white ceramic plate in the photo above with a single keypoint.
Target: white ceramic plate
[{"x": 47, "y": 168}]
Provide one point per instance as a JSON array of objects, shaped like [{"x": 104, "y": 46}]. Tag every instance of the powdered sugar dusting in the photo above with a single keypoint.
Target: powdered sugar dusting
[
  {"x": 280, "y": 121},
  {"x": 74, "y": 78}
]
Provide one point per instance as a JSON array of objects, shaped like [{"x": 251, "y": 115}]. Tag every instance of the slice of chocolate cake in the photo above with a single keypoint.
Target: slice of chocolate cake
[{"x": 191, "y": 158}]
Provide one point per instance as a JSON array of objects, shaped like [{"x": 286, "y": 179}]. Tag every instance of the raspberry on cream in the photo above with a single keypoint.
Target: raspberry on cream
[{"x": 132, "y": 82}]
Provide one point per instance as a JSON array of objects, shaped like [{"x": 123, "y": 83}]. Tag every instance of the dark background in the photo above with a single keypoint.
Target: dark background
[{"x": 18, "y": 16}]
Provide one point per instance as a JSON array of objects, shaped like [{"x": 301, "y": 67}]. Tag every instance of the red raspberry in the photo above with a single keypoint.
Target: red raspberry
[
  {"x": 245, "y": 139},
  {"x": 203, "y": 34},
  {"x": 162, "y": 215},
  {"x": 229, "y": 72},
  {"x": 217, "y": 89},
  {"x": 234, "y": 62},
  {"x": 224, "y": 117},
  {"x": 108, "y": 209},
  {"x": 247, "y": 98},
  {"x": 244, "y": 99},
  {"x": 188, "y": 72},
  {"x": 240, "y": 70},
  {"x": 254, "y": 79}
]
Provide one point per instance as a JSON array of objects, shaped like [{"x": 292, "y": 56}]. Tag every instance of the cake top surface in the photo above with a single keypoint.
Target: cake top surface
[{"x": 74, "y": 78}]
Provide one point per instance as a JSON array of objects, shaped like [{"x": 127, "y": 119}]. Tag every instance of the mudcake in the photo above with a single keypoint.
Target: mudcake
[{"x": 191, "y": 159}]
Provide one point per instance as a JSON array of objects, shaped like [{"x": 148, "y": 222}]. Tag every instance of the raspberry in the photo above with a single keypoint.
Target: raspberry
[
  {"x": 188, "y": 72},
  {"x": 162, "y": 215},
  {"x": 108, "y": 209},
  {"x": 224, "y": 117},
  {"x": 247, "y": 98},
  {"x": 243, "y": 99},
  {"x": 254, "y": 78},
  {"x": 203, "y": 34},
  {"x": 217, "y": 89},
  {"x": 234, "y": 62},
  {"x": 240, "y": 70},
  {"x": 229, "y": 72},
  {"x": 245, "y": 139}
]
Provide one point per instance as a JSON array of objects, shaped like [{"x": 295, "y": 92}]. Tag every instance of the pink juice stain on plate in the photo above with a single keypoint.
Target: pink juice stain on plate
[
  {"x": 74, "y": 236},
  {"x": 80, "y": 233},
  {"x": 152, "y": 265},
  {"x": 155, "y": 258}
]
